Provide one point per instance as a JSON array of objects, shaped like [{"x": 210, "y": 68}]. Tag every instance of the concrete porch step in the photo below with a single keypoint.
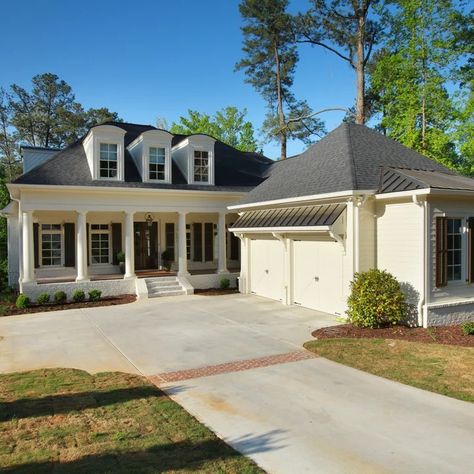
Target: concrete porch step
[
  {"x": 161, "y": 284},
  {"x": 156, "y": 294},
  {"x": 164, "y": 286}
]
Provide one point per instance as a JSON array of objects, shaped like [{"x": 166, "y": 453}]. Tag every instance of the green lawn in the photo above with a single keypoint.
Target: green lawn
[
  {"x": 444, "y": 369},
  {"x": 72, "y": 422}
]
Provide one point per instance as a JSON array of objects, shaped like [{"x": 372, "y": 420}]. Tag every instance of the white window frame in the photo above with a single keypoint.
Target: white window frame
[
  {"x": 165, "y": 164},
  {"x": 464, "y": 263},
  {"x": 59, "y": 231},
  {"x": 100, "y": 231},
  {"x": 209, "y": 157},
  {"x": 112, "y": 178}
]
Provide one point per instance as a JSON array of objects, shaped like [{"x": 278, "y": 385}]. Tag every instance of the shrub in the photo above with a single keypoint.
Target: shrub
[
  {"x": 224, "y": 283},
  {"x": 376, "y": 300},
  {"x": 60, "y": 297},
  {"x": 468, "y": 328},
  {"x": 22, "y": 301},
  {"x": 79, "y": 296},
  {"x": 121, "y": 256},
  {"x": 43, "y": 298},
  {"x": 94, "y": 295}
]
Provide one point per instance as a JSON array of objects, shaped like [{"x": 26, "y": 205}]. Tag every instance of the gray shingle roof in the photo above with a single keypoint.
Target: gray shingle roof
[
  {"x": 234, "y": 170},
  {"x": 351, "y": 157}
]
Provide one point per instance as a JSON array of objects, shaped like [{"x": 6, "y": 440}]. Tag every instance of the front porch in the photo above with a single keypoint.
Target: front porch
[{"x": 64, "y": 247}]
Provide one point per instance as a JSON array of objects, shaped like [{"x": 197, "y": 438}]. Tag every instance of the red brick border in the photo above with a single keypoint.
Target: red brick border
[{"x": 237, "y": 366}]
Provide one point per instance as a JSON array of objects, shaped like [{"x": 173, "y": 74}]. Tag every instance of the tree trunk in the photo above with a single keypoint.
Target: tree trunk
[
  {"x": 360, "y": 68},
  {"x": 281, "y": 114}
]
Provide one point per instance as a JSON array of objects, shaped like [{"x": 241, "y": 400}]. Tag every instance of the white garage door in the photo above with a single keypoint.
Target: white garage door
[
  {"x": 317, "y": 275},
  {"x": 267, "y": 268}
]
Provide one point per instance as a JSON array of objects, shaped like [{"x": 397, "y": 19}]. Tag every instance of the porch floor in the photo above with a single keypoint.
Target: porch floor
[{"x": 140, "y": 274}]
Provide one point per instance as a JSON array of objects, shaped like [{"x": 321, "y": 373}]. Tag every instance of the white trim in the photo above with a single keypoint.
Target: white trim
[
  {"x": 59, "y": 231},
  {"x": 100, "y": 231},
  {"x": 402, "y": 194},
  {"x": 301, "y": 199},
  {"x": 281, "y": 230}
]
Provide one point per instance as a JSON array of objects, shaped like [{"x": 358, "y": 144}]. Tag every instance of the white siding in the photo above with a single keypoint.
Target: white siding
[{"x": 400, "y": 245}]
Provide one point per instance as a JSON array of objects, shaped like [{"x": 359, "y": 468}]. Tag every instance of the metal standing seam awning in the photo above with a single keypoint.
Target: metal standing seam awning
[{"x": 291, "y": 219}]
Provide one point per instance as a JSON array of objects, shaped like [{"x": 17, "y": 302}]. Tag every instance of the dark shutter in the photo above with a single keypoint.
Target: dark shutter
[
  {"x": 69, "y": 245},
  {"x": 169, "y": 234},
  {"x": 471, "y": 249},
  {"x": 36, "y": 243},
  {"x": 234, "y": 246},
  {"x": 208, "y": 242},
  {"x": 88, "y": 253},
  {"x": 197, "y": 241},
  {"x": 441, "y": 251},
  {"x": 116, "y": 241}
]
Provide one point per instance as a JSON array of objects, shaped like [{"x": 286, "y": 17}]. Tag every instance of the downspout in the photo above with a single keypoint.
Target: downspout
[
  {"x": 421, "y": 306},
  {"x": 20, "y": 243}
]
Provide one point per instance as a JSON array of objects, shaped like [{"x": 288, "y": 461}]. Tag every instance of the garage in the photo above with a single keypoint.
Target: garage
[
  {"x": 267, "y": 268},
  {"x": 318, "y": 275}
]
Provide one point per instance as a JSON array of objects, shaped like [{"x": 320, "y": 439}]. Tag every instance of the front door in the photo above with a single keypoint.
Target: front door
[{"x": 146, "y": 245}]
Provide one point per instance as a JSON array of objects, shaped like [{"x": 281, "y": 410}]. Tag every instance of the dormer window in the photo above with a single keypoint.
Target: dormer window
[
  {"x": 108, "y": 160},
  {"x": 201, "y": 166},
  {"x": 157, "y": 163}
]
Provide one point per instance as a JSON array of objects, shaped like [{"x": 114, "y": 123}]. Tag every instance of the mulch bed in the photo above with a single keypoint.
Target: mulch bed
[
  {"x": 216, "y": 291},
  {"x": 9, "y": 309},
  {"x": 451, "y": 335}
]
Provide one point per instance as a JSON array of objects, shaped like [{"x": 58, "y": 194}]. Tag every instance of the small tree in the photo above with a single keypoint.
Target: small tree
[{"x": 376, "y": 300}]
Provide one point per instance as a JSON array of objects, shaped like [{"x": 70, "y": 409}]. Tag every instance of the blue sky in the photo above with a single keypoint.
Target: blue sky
[{"x": 156, "y": 58}]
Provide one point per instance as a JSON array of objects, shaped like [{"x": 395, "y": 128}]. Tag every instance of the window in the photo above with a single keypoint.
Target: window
[
  {"x": 156, "y": 165},
  {"x": 108, "y": 160},
  {"x": 51, "y": 245},
  {"x": 454, "y": 249},
  {"x": 169, "y": 238},
  {"x": 100, "y": 244},
  {"x": 201, "y": 166}
]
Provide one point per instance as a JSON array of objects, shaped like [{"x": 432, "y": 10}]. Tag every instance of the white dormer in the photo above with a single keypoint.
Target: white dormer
[
  {"x": 105, "y": 152},
  {"x": 151, "y": 152},
  {"x": 194, "y": 157}
]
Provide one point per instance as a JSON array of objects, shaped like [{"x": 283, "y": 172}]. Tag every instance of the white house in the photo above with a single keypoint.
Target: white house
[
  {"x": 353, "y": 201},
  {"x": 133, "y": 189}
]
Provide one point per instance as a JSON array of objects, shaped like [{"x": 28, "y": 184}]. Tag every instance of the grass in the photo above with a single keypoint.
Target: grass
[
  {"x": 444, "y": 369},
  {"x": 69, "y": 421}
]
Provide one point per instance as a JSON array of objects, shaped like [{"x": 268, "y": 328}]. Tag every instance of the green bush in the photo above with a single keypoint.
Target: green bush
[
  {"x": 79, "y": 296},
  {"x": 94, "y": 295},
  {"x": 60, "y": 297},
  {"x": 468, "y": 328},
  {"x": 43, "y": 298},
  {"x": 224, "y": 283},
  {"x": 121, "y": 256},
  {"x": 22, "y": 301},
  {"x": 376, "y": 300}
]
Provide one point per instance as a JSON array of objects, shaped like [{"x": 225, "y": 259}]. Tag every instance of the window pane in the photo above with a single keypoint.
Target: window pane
[{"x": 454, "y": 249}]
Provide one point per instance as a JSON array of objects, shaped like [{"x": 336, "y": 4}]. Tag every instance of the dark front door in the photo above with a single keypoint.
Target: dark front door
[{"x": 146, "y": 245}]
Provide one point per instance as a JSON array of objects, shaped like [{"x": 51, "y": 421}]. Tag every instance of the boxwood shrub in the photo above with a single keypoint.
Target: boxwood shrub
[
  {"x": 60, "y": 297},
  {"x": 79, "y": 296},
  {"x": 224, "y": 283},
  {"x": 376, "y": 300},
  {"x": 22, "y": 301},
  {"x": 468, "y": 328},
  {"x": 94, "y": 295},
  {"x": 43, "y": 298}
]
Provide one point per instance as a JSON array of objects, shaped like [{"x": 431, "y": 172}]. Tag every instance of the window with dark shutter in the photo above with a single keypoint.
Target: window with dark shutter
[
  {"x": 36, "y": 243},
  {"x": 116, "y": 241},
  {"x": 169, "y": 235},
  {"x": 471, "y": 249},
  {"x": 234, "y": 246},
  {"x": 441, "y": 251},
  {"x": 69, "y": 245}
]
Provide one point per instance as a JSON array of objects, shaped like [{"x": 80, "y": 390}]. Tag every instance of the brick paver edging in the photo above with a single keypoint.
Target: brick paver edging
[{"x": 237, "y": 366}]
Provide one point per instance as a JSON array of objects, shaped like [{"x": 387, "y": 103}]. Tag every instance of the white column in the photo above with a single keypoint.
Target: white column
[
  {"x": 28, "y": 247},
  {"x": 129, "y": 246},
  {"x": 221, "y": 244},
  {"x": 182, "y": 257},
  {"x": 81, "y": 247},
  {"x": 244, "y": 267}
]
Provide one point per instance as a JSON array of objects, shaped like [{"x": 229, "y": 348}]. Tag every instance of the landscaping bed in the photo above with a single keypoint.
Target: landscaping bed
[
  {"x": 216, "y": 291},
  {"x": 452, "y": 335},
  {"x": 9, "y": 309},
  {"x": 68, "y": 421}
]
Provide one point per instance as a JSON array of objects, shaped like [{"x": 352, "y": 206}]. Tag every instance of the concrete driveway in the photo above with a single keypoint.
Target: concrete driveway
[{"x": 236, "y": 363}]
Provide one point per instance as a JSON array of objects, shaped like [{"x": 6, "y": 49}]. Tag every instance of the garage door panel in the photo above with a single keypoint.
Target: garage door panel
[
  {"x": 267, "y": 268},
  {"x": 317, "y": 275}
]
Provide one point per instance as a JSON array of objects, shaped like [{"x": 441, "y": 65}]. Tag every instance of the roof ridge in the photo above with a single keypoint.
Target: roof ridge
[{"x": 351, "y": 156}]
